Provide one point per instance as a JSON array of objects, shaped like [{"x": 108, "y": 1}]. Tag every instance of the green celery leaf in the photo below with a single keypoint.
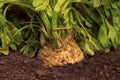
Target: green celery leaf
[
  {"x": 112, "y": 35},
  {"x": 59, "y": 4},
  {"x": 40, "y": 4},
  {"x": 103, "y": 36},
  {"x": 2, "y": 20},
  {"x": 96, "y": 3}
]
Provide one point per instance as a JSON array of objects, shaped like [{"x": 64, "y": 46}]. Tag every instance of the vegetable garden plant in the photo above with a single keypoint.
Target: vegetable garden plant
[{"x": 60, "y": 31}]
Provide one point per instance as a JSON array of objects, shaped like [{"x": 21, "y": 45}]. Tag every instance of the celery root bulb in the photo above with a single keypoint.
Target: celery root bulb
[{"x": 70, "y": 53}]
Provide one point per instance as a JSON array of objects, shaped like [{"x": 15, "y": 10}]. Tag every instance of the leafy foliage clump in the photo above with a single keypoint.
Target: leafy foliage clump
[{"x": 95, "y": 24}]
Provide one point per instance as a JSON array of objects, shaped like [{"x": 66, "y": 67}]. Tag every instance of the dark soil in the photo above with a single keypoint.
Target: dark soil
[{"x": 103, "y": 66}]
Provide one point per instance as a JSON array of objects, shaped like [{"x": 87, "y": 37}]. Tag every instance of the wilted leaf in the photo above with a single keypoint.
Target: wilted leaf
[
  {"x": 4, "y": 51},
  {"x": 88, "y": 48}
]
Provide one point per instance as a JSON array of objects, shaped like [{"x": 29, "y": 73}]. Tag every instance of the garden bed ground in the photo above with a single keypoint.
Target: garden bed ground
[{"x": 103, "y": 66}]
